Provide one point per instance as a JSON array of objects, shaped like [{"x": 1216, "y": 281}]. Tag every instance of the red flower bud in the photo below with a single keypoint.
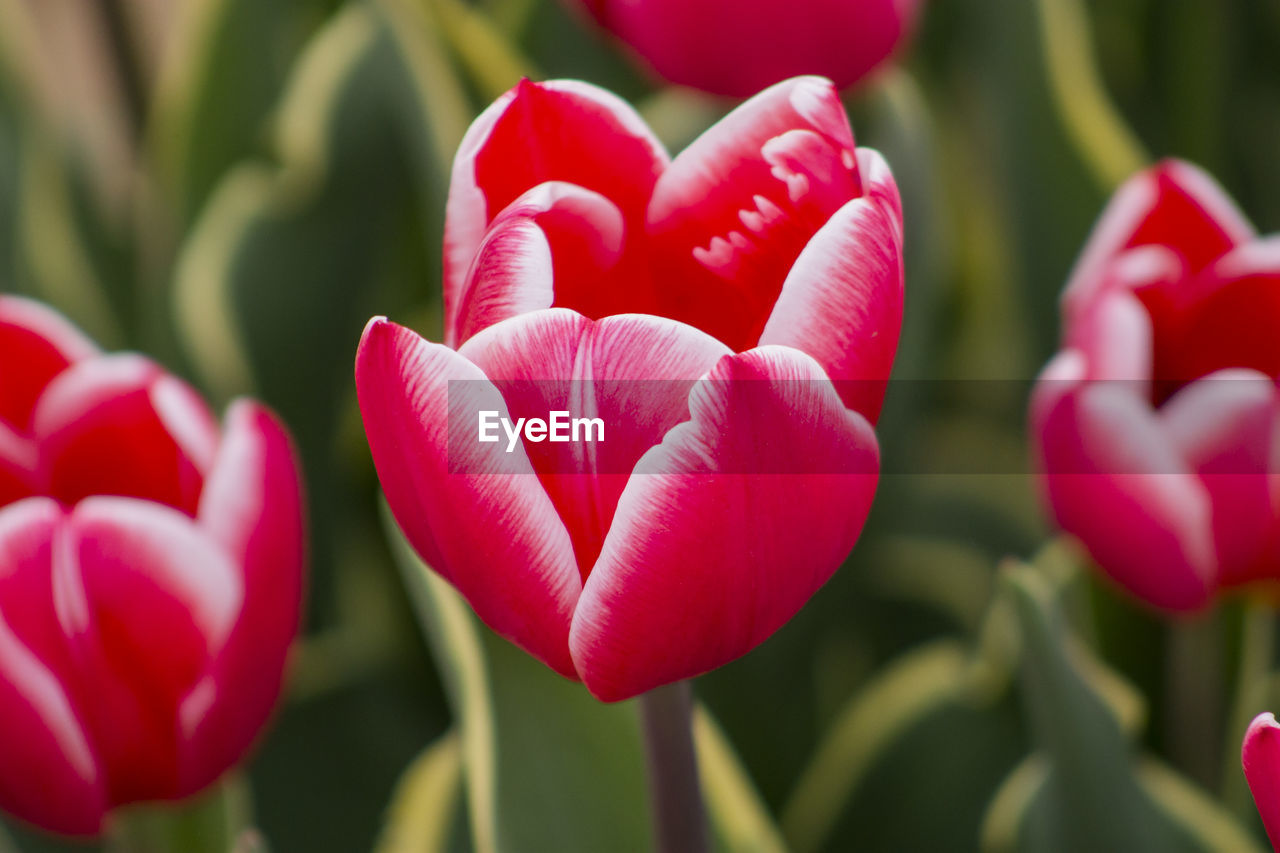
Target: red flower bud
[
  {"x": 151, "y": 570},
  {"x": 1155, "y": 425},
  {"x": 732, "y": 47}
]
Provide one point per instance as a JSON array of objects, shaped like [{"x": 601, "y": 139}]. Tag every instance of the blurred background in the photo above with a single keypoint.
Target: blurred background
[{"x": 236, "y": 186}]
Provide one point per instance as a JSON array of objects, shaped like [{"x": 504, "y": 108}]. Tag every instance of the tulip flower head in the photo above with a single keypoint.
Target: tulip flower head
[
  {"x": 729, "y": 316},
  {"x": 736, "y": 48},
  {"x": 1155, "y": 424},
  {"x": 151, "y": 566},
  {"x": 1260, "y": 756}
]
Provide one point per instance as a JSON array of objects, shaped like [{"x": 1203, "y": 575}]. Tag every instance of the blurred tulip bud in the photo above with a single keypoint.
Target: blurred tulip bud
[
  {"x": 1156, "y": 424},
  {"x": 1260, "y": 756},
  {"x": 731, "y": 318},
  {"x": 151, "y": 571},
  {"x": 736, "y": 48}
]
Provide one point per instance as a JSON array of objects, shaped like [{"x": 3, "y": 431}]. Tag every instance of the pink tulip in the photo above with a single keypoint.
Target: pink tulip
[
  {"x": 731, "y": 47},
  {"x": 765, "y": 261},
  {"x": 1261, "y": 758},
  {"x": 151, "y": 569},
  {"x": 1156, "y": 424}
]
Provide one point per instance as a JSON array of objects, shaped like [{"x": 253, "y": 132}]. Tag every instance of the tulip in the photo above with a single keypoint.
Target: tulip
[
  {"x": 730, "y": 47},
  {"x": 730, "y": 316},
  {"x": 1155, "y": 423},
  {"x": 151, "y": 568},
  {"x": 1261, "y": 758}
]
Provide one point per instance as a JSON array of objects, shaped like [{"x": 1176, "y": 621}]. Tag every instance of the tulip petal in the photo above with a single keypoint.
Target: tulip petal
[
  {"x": 1229, "y": 317},
  {"x": 1260, "y": 756},
  {"x": 734, "y": 210},
  {"x": 50, "y": 775},
  {"x": 1174, "y": 204},
  {"x": 26, "y": 595},
  {"x": 731, "y": 48},
  {"x": 1225, "y": 425},
  {"x": 842, "y": 302},
  {"x": 252, "y": 507},
  {"x": 631, "y": 371},
  {"x": 118, "y": 425},
  {"x": 727, "y": 527},
  {"x": 1115, "y": 337},
  {"x": 1115, "y": 480},
  {"x": 558, "y": 243},
  {"x": 496, "y": 537},
  {"x": 44, "y": 343},
  {"x": 559, "y": 130},
  {"x": 147, "y": 602},
  {"x": 18, "y": 462}
]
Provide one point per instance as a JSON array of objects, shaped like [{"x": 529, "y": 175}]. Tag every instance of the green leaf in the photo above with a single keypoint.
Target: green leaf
[
  {"x": 739, "y": 818},
  {"x": 937, "y": 707},
  {"x": 880, "y": 713},
  {"x": 548, "y": 767},
  {"x": 492, "y": 62},
  {"x": 59, "y": 259},
  {"x": 425, "y": 808},
  {"x": 50, "y": 246},
  {"x": 284, "y": 256},
  {"x": 1096, "y": 128},
  {"x": 212, "y": 99},
  {"x": 12, "y": 65},
  {"x": 1086, "y": 787}
]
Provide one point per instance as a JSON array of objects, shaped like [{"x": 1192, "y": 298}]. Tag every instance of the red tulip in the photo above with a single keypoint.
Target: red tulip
[
  {"x": 731, "y": 47},
  {"x": 1261, "y": 758},
  {"x": 150, "y": 577},
  {"x": 581, "y": 265},
  {"x": 1156, "y": 423}
]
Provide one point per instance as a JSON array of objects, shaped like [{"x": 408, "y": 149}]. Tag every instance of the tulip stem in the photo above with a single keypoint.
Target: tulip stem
[
  {"x": 1257, "y": 641},
  {"x": 1195, "y": 685},
  {"x": 679, "y": 818}
]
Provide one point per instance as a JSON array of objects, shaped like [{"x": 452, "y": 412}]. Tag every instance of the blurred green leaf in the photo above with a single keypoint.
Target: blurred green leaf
[
  {"x": 10, "y": 110},
  {"x": 213, "y": 822},
  {"x": 61, "y": 258},
  {"x": 285, "y": 256},
  {"x": 491, "y": 60},
  {"x": 547, "y": 766},
  {"x": 50, "y": 245},
  {"x": 739, "y": 819},
  {"x": 1085, "y": 788},
  {"x": 424, "y": 811},
  {"x": 880, "y": 713},
  {"x": 214, "y": 95},
  {"x": 1098, "y": 130},
  {"x": 915, "y": 753}
]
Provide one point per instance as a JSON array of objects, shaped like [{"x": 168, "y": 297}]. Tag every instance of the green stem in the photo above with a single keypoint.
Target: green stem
[
  {"x": 679, "y": 817},
  {"x": 215, "y": 821},
  {"x": 1194, "y": 686},
  {"x": 1257, "y": 644}
]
